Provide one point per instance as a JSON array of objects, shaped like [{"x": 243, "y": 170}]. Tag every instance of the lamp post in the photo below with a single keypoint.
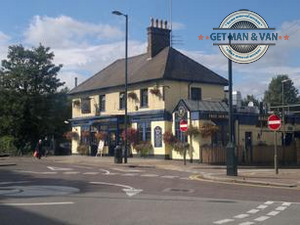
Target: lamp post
[
  {"x": 230, "y": 148},
  {"x": 118, "y": 13},
  {"x": 283, "y": 121}
]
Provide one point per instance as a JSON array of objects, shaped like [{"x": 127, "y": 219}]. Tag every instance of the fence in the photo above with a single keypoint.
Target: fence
[{"x": 260, "y": 154}]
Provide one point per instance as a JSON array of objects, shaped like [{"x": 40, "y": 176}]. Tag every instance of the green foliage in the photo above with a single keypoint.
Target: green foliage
[
  {"x": 7, "y": 145},
  {"x": 144, "y": 148},
  {"x": 276, "y": 88},
  {"x": 192, "y": 131},
  {"x": 31, "y": 107}
]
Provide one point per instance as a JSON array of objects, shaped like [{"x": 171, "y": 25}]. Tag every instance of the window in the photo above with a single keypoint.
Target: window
[
  {"x": 144, "y": 97},
  {"x": 102, "y": 103},
  {"x": 122, "y": 100},
  {"x": 144, "y": 131},
  {"x": 196, "y": 94},
  {"x": 86, "y": 105}
]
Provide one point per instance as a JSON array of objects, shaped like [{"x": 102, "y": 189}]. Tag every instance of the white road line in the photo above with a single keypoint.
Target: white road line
[
  {"x": 129, "y": 174},
  {"x": 169, "y": 177},
  {"x": 262, "y": 206},
  {"x": 223, "y": 221},
  {"x": 128, "y": 170},
  {"x": 280, "y": 208},
  {"x": 34, "y": 172},
  {"x": 262, "y": 218},
  {"x": 241, "y": 216},
  {"x": 37, "y": 203},
  {"x": 184, "y": 178},
  {"x": 273, "y": 213},
  {"x": 286, "y": 204},
  {"x": 268, "y": 203},
  {"x": 253, "y": 211},
  {"x": 246, "y": 223},
  {"x": 106, "y": 171},
  {"x": 13, "y": 182},
  {"x": 58, "y": 168},
  {"x": 71, "y": 172},
  {"x": 130, "y": 191},
  {"x": 149, "y": 175},
  {"x": 111, "y": 174},
  {"x": 91, "y": 173}
]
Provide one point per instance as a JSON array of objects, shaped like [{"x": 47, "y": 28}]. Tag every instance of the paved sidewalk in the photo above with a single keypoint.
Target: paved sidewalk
[{"x": 287, "y": 178}]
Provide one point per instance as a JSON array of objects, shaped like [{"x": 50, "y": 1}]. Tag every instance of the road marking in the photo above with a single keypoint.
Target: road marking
[
  {"x": 184, "y": 178},
  {"x": 262, "y": 218},
  {"x": 13, "y": 182},
  {"x": 223, "y": 221},
  {"x": 58, "y": 168},
  {"x": 130, "y": 191},
  {"x": 280, "y": 208},
  {"x": 34, "y": 172},
  {"x": 106, "y": 171},
  {"x": 128, "y": 170},
  {"x": 268, "y": 203},
  {"x": 71, "y": 172},
  {"x": 169, "y": 177},
  {"x": 246, "y": 223},
  {"x": 286, "y": 204},
  {"x": 37, "y": 203},
  {"x": 129, "y": 174},
  {"x": 149, "y": 175},
  {"x": 253, "y": 211},
  {"x": 241, "y": 216},
  {"x": 91, "y": 173},
  {"x": 273, "y": 213},
  {"x": 111, "y": 174},
  {"x": 262, "y": 206}
]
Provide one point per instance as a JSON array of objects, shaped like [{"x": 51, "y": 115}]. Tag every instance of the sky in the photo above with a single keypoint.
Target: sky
[{"x": 86, "y": 37}]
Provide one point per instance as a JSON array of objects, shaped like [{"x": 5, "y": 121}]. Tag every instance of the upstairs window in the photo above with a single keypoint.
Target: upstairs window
[
  {"x": 122, "y": 100},
  {"x": 196, "y": 94},
  {"x": 102, "y": 103},
  {"x": 86, "y": 105},
  {"x": 144, "y": 97}
]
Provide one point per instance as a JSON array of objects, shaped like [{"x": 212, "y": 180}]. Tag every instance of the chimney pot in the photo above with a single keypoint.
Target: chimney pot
[
  {"x": 151, "y": 22},
  {"x": 161, "y": 24},
  {"x": 75, "y": 81},
  {"x": 166, "y": 24},
  {"x": 156, "y": 23}
]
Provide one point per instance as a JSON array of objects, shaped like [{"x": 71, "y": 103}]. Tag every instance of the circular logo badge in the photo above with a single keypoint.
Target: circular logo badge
[{"x": 243, "y": 20}]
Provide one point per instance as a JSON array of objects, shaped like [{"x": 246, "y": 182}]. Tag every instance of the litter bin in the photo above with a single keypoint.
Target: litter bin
[{"x": 118, "y": 154}]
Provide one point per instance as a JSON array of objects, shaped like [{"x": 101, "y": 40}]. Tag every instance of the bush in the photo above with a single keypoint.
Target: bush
[
  {"x": 83, "y": 149},
  {"x": 7, "y": 145},
  {"x": 144, "y": 148}
]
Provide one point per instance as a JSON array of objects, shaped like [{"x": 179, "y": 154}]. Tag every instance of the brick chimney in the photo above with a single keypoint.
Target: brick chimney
[{"x": 158, "y": 36}]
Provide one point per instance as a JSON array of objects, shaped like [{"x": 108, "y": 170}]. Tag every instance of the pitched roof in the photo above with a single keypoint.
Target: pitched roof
[
  {"x": 169, "y": 64},
  {"x": 204, "y": 106}
]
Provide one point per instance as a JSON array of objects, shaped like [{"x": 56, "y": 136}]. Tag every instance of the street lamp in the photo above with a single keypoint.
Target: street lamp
[
  {"x": 230, "y": 148},
  {"x": 118, "y": 13},
  {"x": 283, "y": 120}
]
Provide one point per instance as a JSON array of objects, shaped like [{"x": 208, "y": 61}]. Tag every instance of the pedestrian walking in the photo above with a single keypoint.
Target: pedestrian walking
[{"x": 38, "y": 149}]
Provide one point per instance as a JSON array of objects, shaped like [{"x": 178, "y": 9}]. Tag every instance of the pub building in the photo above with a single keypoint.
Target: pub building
[{"x": 164, "y": 87}]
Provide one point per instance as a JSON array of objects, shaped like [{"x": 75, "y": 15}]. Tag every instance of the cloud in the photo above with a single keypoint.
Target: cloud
[
  {"x": 178, "y": 26},
  {"x": 66, "y": 32}
]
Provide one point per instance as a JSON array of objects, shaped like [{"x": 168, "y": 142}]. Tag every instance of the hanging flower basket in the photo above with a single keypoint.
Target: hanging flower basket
[
  {"x": 85, "y": 133},
  {"x": 70, "y": 135},
  {"x": 101, "y": 135},
  {"x": 132, "y": 95},
  {"x": 155, "y": 91},
  {"x": 193, "y": 131},
  {"x": 76, "y": 103},
  {"x": 169, "y": 138},
  {"x": 208, "y": 129}
]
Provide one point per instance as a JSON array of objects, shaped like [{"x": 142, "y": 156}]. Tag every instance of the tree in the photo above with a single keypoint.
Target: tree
[
  {"x": 30, "y": 105},
  {"x": 276, "y": 88},
  {"x": 250, "y": 98}
]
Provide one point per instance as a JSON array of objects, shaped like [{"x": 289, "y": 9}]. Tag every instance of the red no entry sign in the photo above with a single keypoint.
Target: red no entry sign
[
  {"x": 183, "y": 125},
  {"x": 274, "y": 122}
]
